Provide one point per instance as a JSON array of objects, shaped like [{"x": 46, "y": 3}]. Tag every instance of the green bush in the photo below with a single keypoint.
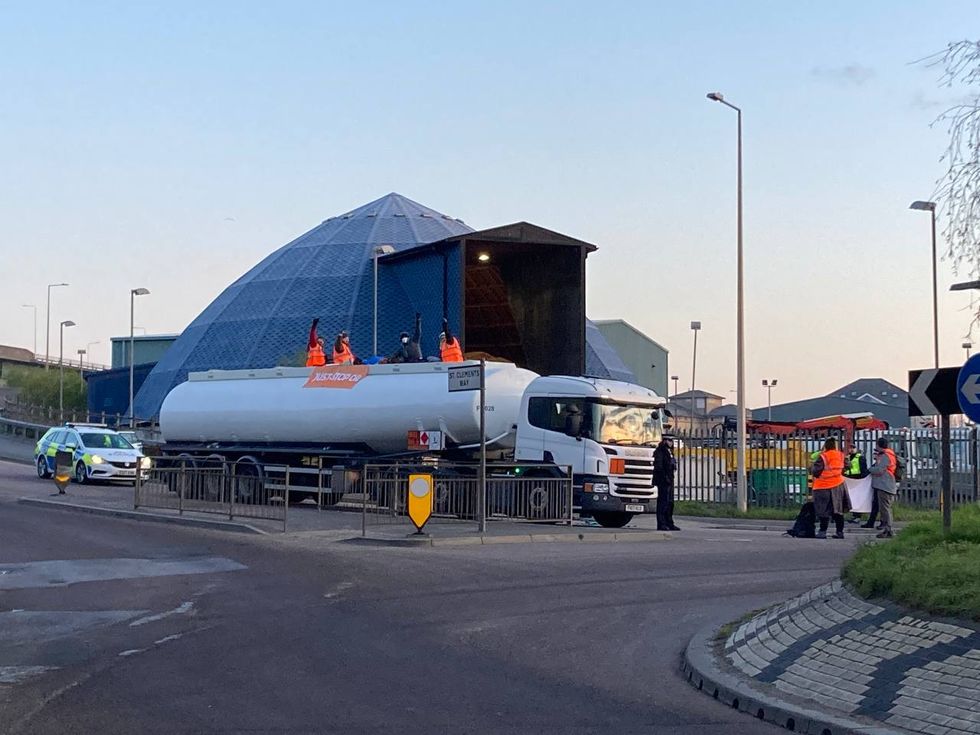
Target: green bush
[
  {"x": 39, "y": 387},
  {"x": 922, "y": 568}
]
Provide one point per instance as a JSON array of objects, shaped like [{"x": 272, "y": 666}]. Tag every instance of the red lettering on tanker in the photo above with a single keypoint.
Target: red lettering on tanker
[{"x": 336, "y": 376}]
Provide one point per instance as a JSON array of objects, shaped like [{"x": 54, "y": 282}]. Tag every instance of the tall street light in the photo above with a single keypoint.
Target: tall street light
[
  {"x": 32, "y": 306},
  {"x": 377, "y": 253},
  {"x": 769, "y": 385},
  {"x": 675, "y": 378},
  {"x": 742, "y": 486},
  {"x": 47, "y": 338},
  {"x": 133, "y": 293},
  {"x": 967, "y": 346},
  {"x": 61, "y": 370},
  {"x": 695, "y": 327},
  {"x": 81, "y": 367},
  {"x": 931, "y": 208}
]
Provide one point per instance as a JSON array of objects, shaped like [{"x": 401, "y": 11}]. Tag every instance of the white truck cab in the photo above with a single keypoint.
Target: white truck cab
[{"x": 605, "y": 430}]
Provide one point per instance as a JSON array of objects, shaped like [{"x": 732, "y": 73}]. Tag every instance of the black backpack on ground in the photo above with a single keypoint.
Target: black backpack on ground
[{"x": 805, "y": 525}]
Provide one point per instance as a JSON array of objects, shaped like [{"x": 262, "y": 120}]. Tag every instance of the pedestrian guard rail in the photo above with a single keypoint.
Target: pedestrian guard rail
[
  {"x": 512, "y": 493},
  {"x": 236, "y": 490},
  {"x": 778, "y": 466}
]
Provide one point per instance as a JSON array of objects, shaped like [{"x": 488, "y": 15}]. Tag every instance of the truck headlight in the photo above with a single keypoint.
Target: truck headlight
[
  {"x": 96, "y": 459},
  {"x": 146, "y": 463},
  {"x": 600, "y": 487}
]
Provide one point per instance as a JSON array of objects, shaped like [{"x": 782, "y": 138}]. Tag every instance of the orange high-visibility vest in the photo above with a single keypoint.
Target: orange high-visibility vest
[
  {"x": 344, "y": 357},
  {"x": 451, "y": 351},
  {"x": 315, "y": 357},
  {"x": 892, "y": 461},
  {"x": 833, "y": 470}
]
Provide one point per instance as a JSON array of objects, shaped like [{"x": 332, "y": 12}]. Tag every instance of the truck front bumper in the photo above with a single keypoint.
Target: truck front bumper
[{"x": 591, "y": 502}]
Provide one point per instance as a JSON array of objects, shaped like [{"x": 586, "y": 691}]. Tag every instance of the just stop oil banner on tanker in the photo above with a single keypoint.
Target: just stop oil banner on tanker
[{"x": 336, "y": 376}]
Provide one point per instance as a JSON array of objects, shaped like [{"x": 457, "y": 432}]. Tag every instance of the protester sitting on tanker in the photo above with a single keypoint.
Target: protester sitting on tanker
[
  {"x": 409, "y": 349},
  {"x": 449, "y": 347},
  {"x": 342, "y": 353},
  {"x": 314, "y": 348}
]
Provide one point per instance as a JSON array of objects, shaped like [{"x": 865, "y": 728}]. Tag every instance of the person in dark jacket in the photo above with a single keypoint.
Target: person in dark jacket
[
  {"x": 409, "y": 349},
  {"x": 664, "y": 469}
]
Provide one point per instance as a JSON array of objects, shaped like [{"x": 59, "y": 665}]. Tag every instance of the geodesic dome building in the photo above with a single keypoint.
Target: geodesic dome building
[{"x": 515, "y": 291}]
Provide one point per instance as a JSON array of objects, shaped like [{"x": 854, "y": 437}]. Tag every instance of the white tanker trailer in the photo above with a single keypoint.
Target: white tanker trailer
[{"x": 331, "y": 418}]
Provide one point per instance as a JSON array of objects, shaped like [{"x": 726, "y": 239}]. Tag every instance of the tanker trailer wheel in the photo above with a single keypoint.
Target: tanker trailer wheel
[
  {"x": 211, "y": 486},
  {"x": 609, "y": 519},
  {"x": 179, "y": 474},
  {"x": 248, "y": 481},
  {"x": 537, "y": 503}
]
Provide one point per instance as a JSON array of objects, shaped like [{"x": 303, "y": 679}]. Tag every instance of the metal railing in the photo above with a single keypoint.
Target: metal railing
[
  {"x": 237, "y": 490},
  {"x": 778, "y": 465},
  {"x": 383, "y": 494}
]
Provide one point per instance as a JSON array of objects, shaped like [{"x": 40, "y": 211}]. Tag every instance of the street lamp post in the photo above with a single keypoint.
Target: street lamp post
[
  {"x": 133, "y": 293},
  {"x": 61, "y": 370},
  {"x": 742, "y": 484},
  {"x": 931, "y": 208},
  {"x": 81, "y": 368},
  {"x": 675, "y": 378},
  {"x": 47, "y": 336},
  {"x": 769, "y": 385},
  {"x": 32, "y": 306},
  {"x": 967, "y": 346},
  {"x": 695, "y": 327},
  {"x": 378, "y": 252}
]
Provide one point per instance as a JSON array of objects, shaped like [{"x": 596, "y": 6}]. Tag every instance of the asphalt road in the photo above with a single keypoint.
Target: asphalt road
[{"x": 137, "y": 627}]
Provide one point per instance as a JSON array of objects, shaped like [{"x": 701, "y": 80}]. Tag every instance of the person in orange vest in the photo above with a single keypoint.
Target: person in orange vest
[
  {"x": 314, "y": 348},
  {"x": 449, "y": 349},
  {"x": 830, "y": 499},
  {"x": 884, "y": 484},
  {"x": 342, "y": 353}
]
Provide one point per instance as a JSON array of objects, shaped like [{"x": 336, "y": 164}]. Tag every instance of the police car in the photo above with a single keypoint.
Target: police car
[{"x": 98, "y": 453}]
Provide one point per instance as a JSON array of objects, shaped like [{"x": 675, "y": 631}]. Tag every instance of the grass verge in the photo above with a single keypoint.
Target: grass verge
[
  {"x": 922, "y": 569},
  {"x": 902, "y": 513}
]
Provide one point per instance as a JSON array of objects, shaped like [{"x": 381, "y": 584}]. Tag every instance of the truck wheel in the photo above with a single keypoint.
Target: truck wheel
[
  {"x": 609, "y": 519},
  {"x": 537, "y": 503}
]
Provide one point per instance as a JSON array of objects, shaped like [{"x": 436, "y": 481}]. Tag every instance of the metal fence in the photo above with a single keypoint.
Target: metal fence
[
  {"x": 233, "y": 489},
  {"x": 778, "y": 465},
  {"x": 383, "y": 494}
]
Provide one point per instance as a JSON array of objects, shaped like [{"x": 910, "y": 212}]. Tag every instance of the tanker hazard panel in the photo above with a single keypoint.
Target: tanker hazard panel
[{"x": 336, "y": 376}]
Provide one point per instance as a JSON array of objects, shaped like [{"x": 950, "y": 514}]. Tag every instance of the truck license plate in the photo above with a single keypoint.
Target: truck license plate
[{"x": 635, "y": 508}]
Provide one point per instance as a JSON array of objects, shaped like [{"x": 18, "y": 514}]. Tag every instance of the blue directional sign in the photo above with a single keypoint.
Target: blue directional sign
[{"x": 968, "y": 388}]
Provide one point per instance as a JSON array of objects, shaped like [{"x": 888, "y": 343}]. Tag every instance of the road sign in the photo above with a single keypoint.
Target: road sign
[
  {"x": 62, "y": 469},
  {"x": 933, "y": 392},
  {"x": 419, "y": 499},
  {"x": 968, "y": 388},
  {"x": 464, "y": 378}
]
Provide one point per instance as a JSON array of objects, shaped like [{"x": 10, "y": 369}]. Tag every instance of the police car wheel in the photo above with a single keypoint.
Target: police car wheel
[
  {"x": 42, "y": 468},
  {"x": 80, "y": 476}
]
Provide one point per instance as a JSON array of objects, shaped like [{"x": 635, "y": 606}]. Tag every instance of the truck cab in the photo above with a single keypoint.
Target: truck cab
[{"x": 605, "y": 430}]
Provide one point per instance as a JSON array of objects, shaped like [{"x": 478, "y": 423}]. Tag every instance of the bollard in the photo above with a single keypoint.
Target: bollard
[
  {"x": 231, "y": 493},
  {"x": 285, "y": 501}
]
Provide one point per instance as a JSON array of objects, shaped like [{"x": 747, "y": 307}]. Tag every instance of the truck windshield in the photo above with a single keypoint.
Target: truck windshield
[{"x": 615, "y": 423}]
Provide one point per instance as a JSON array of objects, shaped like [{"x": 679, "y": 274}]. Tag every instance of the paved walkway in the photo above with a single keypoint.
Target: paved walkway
[{"x": 864, "y": 660}]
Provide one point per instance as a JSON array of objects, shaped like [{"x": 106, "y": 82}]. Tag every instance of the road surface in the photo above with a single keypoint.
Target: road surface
[{"x": 117, "y": 626}]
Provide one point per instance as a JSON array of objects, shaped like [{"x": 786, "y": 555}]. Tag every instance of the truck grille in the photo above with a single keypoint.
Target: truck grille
[{"x": 637, "y": 481}]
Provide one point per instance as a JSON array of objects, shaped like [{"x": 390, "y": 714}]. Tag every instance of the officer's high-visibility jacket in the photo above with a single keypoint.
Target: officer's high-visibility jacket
[
  {"x": 451, "y": 351},
  {"x": 344, "y": 356},
  {"x": 315, "y": 357},
  {"x": 833, "y": 470}
]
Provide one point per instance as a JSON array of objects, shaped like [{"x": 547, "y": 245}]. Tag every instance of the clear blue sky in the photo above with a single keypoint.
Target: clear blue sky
[{"x": 172, "y": 145}]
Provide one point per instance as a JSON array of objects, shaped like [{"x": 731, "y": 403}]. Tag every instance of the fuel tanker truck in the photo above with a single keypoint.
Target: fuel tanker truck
[{"x": 325, "y": 422}]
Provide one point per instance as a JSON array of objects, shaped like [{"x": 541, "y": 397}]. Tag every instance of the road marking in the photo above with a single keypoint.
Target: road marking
[
  {"x": 182, "y": 609},
  {"x": 167, "y": 639},
  {"x": 17, "y": 674},
  {"x": 132, "y": 652},
  {"x": 60, "y": 572},
  {"x": 29, "y": 627}
]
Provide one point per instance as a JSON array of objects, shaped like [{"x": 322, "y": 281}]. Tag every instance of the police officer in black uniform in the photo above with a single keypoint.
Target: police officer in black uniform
[{"x": 664, "y": 469}]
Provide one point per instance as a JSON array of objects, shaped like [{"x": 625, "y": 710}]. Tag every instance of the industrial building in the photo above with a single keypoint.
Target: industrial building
[
  {"x": 514, "y": 292},
  {"x": 646, "y": 358}
]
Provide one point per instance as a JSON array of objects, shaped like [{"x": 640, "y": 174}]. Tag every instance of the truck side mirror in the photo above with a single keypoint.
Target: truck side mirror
[{"x": 668, "y": 413}]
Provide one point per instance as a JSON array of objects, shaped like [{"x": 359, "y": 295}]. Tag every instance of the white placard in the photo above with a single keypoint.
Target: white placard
[{"x": 861, "y": 494}]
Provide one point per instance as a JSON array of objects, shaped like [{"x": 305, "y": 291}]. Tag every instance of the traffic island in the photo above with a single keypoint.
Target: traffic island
[{"x": 829, "y": 662}]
